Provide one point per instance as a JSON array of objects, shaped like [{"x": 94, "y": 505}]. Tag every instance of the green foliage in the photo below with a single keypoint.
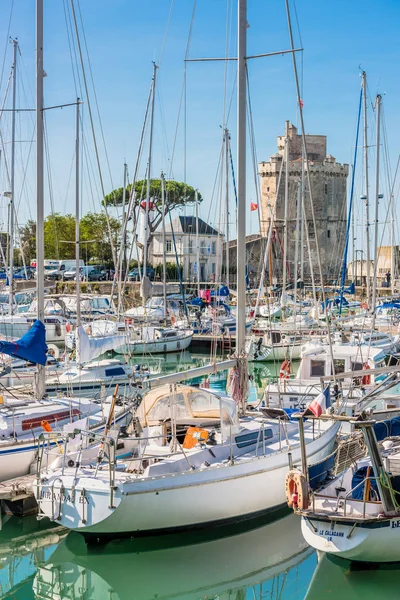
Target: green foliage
[
  {"x": 171, "y": 271},
  {"x": 59, "y": 231},
  {"x": 59, "y": 237},
  {"x": 28, "y": 240},
  {"x": 94, "y": 227}
]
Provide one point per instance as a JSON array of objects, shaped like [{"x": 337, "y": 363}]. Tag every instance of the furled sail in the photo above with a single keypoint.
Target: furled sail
[
  {"x": 32, "y": 346},
  {"x": 90, "y": 347}
]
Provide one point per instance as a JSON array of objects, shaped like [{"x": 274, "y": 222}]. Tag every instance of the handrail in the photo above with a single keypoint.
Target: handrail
[
  {"x": 361, "y": 373},
  {"x": 352, "y": 490}
]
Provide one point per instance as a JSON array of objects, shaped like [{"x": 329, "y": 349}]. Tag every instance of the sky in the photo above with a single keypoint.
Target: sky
[{"x": 124, "y": 37}]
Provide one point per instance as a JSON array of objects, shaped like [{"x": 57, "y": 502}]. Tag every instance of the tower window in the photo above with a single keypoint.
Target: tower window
[
  {"x": 326, "y": 189},
  {"x": 329, "y": 233},
  {"x": 267, "y": 189}
]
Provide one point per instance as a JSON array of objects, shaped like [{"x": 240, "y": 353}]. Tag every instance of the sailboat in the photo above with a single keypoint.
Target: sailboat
[{"x": 200, "y": 458}]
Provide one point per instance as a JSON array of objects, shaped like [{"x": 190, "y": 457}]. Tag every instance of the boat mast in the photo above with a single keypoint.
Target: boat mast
[
  {"x": 241, "y": 175},
  {"x": 163, "y": 243},
  {"x": 377, "y": 196},
  {"x": 227, "y": 206},
  {"x": 77, "y": 229},
  {"x": 12, "y": 191},
  {"x": 146, "y": 218},
  {"x": 303, "y": 216},
  {"x": 196, "y": 199},
  {"x": 39, "y": 183},
  {"x": 285, "y": 216},
  {"x": 366, "y": 197}
]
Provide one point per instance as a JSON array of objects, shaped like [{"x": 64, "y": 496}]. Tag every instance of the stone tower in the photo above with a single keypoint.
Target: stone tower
[{"x": 328, "y": 183}]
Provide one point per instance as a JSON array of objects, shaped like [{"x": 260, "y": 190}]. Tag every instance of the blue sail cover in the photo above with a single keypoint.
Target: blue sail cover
[{"x": 32, "y": 346}]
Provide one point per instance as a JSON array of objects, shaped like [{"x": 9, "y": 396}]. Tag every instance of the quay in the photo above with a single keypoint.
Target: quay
[{"x": 16, "y": 496}]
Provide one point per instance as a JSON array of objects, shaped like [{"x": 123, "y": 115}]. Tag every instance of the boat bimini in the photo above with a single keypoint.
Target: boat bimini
[{"x": 195, "y": 463}]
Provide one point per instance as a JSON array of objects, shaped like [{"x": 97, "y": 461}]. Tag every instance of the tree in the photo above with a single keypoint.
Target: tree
[
  {"x": 59, "y": 237},
  {"x": 94, "y": 229},
  {"x": 176, "y": 194},
  {"x": 59, "y": 230},
  {"x": 27, "y": 235}
]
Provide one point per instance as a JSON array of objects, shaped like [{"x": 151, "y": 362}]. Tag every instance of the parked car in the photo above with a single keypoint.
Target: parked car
[
  {"x": 96, "y": 274},
  {"x": 70, "y": 274},
  {"x": 20, "y": 273},
  {"x": 134, "y": 275}
]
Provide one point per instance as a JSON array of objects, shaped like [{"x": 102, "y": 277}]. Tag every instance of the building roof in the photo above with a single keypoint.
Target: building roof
[{"x": 187, "y": 224}]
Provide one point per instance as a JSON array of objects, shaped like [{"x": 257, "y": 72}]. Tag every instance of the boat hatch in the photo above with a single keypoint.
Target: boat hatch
[{"x": 115, "y": 371}]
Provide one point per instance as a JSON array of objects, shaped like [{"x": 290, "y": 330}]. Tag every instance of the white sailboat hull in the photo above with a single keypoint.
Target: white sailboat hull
[
  {"x": 248, "y": 488},
  {"x": 269, "y": 353},
  {"x": 156, "y": 346},
  {"x": 371, "y": 542}
]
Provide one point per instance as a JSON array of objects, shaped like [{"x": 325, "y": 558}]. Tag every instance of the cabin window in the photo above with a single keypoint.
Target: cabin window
[
  {"x": 115, "y": 371},
  {"x": 339, "y": 365},
  {"x": 275, "y": 337},
  {"x": 356, "y": 366},
  {"x": 317, "y": 368},
  {"x": 248, "y": 439}
]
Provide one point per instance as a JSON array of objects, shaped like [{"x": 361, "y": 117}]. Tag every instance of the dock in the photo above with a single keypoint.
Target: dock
[
  {"x": 224, "y": 342},
  {"x": 16, "y": 496}
]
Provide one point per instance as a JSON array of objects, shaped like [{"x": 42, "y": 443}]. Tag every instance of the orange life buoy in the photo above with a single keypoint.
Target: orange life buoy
[
  {"x": 284, "y": 372},
  {"x": 297, "y": 490},
  {"x": 173, "y": 320},
  {"x": 68, "y": 327},
  {"x": 364, "y": 305},
  {"x": 366, "y": 380},
  {"x": 194, "y": 436}
]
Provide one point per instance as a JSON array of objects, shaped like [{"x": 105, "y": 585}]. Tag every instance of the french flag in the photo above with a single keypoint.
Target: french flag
[{"x": 321, "y": 403}]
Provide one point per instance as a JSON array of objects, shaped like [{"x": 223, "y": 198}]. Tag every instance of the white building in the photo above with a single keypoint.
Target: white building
[{"x": 184, "y": 228}]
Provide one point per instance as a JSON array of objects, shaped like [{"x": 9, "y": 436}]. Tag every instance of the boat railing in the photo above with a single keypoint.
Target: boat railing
[{"x": 342, "y": 501}]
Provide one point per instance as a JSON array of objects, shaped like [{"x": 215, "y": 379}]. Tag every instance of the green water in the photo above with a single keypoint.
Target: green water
[{"x": 256, "y": 561}]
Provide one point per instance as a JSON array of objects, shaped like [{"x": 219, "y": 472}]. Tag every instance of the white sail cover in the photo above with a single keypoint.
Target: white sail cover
[{"x": 89, "y": 347}]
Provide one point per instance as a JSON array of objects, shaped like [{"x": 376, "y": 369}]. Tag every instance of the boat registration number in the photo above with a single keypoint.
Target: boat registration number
[
  {"x": 61, "y": 497},
  {"x": 330, "y": 535}
]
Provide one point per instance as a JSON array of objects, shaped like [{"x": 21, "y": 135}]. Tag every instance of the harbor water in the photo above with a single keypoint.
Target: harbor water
[{"x": 257, "y": 560}]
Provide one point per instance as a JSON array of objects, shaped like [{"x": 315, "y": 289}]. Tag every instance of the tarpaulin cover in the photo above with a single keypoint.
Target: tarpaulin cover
[
  {"x": 384, "y": 429},
  {"x": 32, "y": 346},
  {"x": 358, "y": 477},
  {"x": 223, "y": 291}
]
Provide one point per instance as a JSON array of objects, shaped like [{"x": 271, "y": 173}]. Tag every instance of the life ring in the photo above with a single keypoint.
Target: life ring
[
  {"x": 366, "y": 380},
  {"x": 68, "y": 327},
  {"x": 297, "y": 490},
  {"x": 173, "y": 320},
  {"x": 53, "y": 351},
  {"x": 284, "y": 372},
  {"x": 364, "y": 305}
]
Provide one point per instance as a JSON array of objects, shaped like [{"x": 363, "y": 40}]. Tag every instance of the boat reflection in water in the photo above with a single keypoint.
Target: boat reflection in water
[
  {"x": 265, "y": 560},
  {"x": 338, "y": 578},
  {"x": 24, "y": 543}
]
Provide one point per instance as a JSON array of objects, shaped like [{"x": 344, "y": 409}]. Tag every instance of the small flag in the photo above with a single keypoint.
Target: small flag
[
  {"x": 301, "y": 103},
  {"x": 321, "y": 403},
  {"x": 253, "y": 206}
]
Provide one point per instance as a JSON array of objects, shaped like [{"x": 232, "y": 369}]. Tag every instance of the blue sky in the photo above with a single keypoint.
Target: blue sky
[{"x": 125, "y": 36}]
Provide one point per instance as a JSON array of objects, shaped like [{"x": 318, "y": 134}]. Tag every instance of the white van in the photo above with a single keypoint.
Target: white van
[{"x": 55, "y": 269}]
